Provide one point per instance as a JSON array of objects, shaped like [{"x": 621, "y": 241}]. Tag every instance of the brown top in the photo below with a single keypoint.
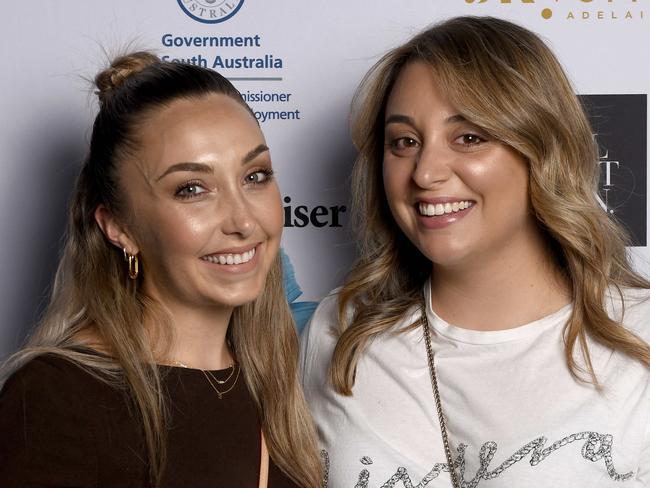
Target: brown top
[{"x": 61, "y": 427}]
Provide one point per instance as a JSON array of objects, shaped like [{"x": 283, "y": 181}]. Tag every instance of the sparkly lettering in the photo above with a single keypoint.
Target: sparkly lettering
[{"x": 597, "y": 447}]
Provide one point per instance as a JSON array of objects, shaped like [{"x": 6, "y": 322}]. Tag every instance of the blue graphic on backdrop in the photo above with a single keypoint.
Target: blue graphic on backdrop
[
  {"x": 302, "y": 311},
  {"x": 211, "y": 11}
]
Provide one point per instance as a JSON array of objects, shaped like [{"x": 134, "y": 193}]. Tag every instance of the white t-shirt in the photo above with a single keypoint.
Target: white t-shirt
[{"x": 520, "y": 418}]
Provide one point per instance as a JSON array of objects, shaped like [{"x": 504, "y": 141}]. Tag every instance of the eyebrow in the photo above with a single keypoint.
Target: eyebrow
[
  {"x": 206, "y": 168},
  {"x": 405, "y": 119},
  {"x": 196, "y": 167},
  {"x": 254, "y": 153}
]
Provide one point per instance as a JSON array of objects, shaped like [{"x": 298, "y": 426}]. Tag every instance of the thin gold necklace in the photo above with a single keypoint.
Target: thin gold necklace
[
  {"x": 455, "y": 482},
  {"x": 223, "y": 382},
  {"x": 211, "y": 379},
  {"x": 220, "y": 394}
]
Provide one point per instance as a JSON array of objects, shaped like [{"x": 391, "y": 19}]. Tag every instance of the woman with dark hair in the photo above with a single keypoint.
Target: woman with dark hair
[
  {"x": 167, "y": 356},
  {"x": 492, "y": 332}
]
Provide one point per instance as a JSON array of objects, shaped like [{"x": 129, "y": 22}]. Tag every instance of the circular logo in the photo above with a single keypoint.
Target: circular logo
[{"x": 210, "y": 11}]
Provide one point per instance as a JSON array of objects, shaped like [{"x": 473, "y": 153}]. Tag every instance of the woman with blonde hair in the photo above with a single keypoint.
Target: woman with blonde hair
[
  {"x": 167, "y": 356},
  {"x": 492, "y": 332}
]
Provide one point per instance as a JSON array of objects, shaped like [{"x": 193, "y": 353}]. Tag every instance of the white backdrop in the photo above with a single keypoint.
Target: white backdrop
[{"x": 324, "y": 47}]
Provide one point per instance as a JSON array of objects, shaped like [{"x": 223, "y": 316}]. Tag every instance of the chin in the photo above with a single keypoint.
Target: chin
[
  {"x": 234, "y": 303},
  {"x": 446, "y": 256},
  {"x": 240, "y": 296}
]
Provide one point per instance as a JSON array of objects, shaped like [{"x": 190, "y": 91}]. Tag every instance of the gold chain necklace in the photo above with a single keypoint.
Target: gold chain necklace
[
  {"x": 213, "y": 381},
  {"x": 220, "y": 394},
  {"x": 455, "y": 482},
  {"x": 223, "y": 382}
]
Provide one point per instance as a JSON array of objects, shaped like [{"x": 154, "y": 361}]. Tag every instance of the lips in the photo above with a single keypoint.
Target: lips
[
  {"x": 229, "y": 257},
  {"x": 442, "y": 212}
]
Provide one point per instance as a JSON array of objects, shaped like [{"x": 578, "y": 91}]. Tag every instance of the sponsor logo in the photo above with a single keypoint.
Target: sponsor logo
[
  {"x": 211, "y": 11},
  {"x": 620, "y": 126},
  {"x": 575, "y": 10}
]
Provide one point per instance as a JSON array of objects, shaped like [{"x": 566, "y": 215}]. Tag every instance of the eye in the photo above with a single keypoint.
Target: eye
[
  {"x": 259, "y": 177},
  {"x": 403, "y": 144},
  {"x": 190, "y": 189},
  {"x": 469, "y": 140}
]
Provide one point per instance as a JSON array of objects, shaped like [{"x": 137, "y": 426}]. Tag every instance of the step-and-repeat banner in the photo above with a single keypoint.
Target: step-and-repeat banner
[{"x": 297, "y": 63}]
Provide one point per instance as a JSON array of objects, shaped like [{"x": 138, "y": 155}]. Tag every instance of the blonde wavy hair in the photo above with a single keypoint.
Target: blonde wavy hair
[
  {"x": 504, "y": 79},
  {"x": 93, "y": 297}
]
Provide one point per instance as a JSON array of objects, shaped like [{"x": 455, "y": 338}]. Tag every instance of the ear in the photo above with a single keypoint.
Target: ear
[{"x": 114, "y": 231}]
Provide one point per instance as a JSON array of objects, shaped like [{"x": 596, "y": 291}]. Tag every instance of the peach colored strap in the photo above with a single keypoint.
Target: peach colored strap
[{"x": 264, "y": 463}]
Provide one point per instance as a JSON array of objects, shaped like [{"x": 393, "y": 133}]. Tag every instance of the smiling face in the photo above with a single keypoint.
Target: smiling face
[
  {"x": 206, "y": 212},
  {"x": 460, "y": 196}
]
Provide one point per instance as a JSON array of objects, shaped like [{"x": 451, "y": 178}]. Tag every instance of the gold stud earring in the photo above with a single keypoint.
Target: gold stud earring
[{"x": 132, "y": 259}]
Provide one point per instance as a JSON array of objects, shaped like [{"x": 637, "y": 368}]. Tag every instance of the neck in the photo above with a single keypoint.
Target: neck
[
  {"x": 516, "y": 285},
  {"x": 198, "y": 337}
]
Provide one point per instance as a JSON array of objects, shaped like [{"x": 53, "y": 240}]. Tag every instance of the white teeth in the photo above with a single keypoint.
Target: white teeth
[
  {"x": 230, "y": 258},
  {"x": 429, "y": 209}
]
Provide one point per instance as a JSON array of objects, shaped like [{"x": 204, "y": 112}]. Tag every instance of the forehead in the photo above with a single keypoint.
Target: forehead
[
  {"x": 213, "y": 127},
  {"x": 418, "y": 88}
]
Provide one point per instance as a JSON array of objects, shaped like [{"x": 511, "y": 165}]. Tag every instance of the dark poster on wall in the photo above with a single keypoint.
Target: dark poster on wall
[{"x": 620, "y": 124}]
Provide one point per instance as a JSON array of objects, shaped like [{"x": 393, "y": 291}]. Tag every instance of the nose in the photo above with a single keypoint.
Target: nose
[
  {"x": 432, "y": 166},
  {"x": 238, "y": 216}
]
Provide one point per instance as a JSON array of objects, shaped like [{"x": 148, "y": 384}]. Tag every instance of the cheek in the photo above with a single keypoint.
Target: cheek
[
  {"x": 397, "y": 179},
  {"x": 504, "y": 187},
  {"x": 269, "y": 213},
  {"x": 168, "y": 231}
]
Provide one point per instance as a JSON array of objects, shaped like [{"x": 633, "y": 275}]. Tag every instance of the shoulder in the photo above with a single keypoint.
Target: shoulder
[
  {"x": 319, "y": 337},
  {"x": 324, "y": 324},
  {"x": 631, "y": 308},
  {"x": 49, "y": 388},
  {"x": 46, "y": 423},
  {"x": 49, "y": 374}
]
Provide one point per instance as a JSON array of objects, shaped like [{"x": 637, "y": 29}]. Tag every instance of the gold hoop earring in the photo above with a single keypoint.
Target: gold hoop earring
[{"x": 132, "y": 259}]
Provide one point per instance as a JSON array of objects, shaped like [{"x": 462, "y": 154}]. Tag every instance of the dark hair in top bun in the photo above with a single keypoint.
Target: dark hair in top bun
[{"x": 120, "y": 69}]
